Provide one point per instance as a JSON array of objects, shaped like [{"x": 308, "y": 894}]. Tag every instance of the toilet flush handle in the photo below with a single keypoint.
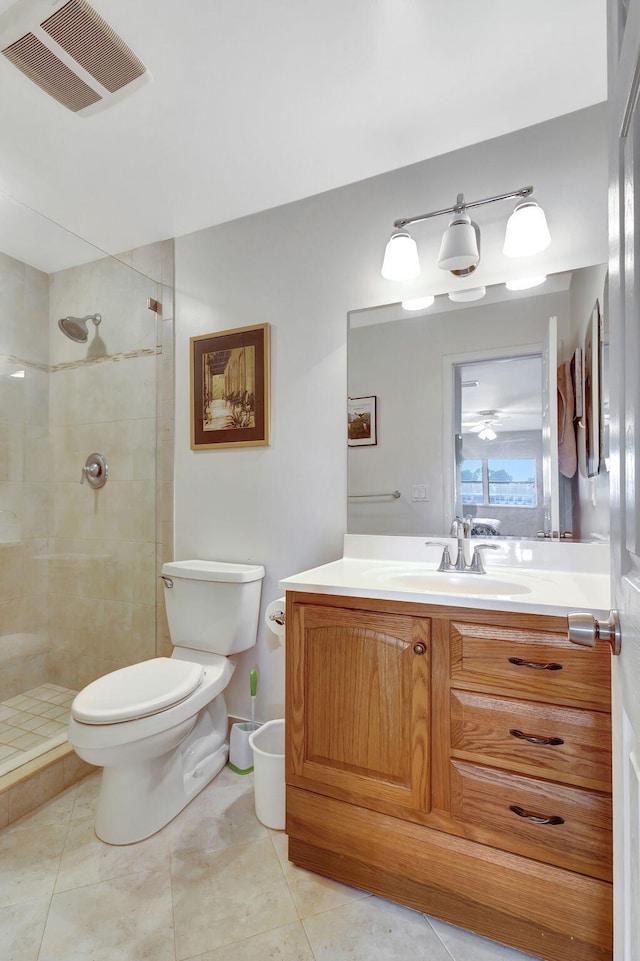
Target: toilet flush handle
[{"x": 168, "y": 581}]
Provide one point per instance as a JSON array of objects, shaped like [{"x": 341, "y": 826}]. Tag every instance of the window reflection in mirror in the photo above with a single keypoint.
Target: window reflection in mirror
[{"x": 499, "y": 473}]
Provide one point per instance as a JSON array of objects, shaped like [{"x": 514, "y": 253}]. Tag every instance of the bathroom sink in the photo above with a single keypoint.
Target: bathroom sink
[{"x": 435, "y": 582}]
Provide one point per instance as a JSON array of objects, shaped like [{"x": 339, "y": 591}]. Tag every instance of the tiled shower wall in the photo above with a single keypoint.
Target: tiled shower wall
[{"x": 94, "y": 559}]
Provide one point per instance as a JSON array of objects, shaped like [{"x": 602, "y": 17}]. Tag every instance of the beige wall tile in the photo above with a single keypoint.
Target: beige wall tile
[
  {"x": 90, "y": 667},
  {"x": 130, "y": 511},
  {"x": 144, "y": 630},
  {"x": 74, "y": 769},
  {"x": 11, "y": 570},
  {"x": 4, "y": 809},
  {"x": 20, "y": 671},
  {"x": 35, "y": 510},
  {"x": 63, "y": 669},
  {"x": 38, "y": 789}
]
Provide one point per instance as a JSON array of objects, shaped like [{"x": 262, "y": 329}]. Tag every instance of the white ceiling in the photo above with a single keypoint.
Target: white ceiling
[{"x": 254, "y": 104}]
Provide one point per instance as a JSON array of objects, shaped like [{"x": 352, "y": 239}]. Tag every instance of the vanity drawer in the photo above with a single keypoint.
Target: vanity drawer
[
  {"x": 566, "y": 826},
  {"x": 531, "y": 664},
  {"x": 562, "y": 743}
]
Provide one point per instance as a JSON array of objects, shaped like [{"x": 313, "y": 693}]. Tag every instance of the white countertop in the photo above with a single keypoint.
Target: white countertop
[{"x": 527, "y": 576}]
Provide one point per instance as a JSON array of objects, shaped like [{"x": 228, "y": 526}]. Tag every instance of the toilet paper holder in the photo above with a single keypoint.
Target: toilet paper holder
[{"x": 278, "y": 617}]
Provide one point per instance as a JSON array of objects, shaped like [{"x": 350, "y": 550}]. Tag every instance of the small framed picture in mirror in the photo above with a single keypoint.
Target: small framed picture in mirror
[{"x": 362, "y": 426}]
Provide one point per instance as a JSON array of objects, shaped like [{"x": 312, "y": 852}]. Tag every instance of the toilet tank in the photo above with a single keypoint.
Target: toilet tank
[{"x": 212, "y": 605}]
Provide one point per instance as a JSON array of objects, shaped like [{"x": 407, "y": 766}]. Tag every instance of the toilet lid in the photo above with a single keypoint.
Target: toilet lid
[{"x": 137, "y": 691}]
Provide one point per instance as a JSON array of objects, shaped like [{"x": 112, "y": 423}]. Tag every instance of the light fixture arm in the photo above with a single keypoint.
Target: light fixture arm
[{"x": 461, "y": 205}]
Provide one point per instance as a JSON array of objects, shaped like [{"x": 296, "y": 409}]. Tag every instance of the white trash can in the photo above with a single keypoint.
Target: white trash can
[{"x": 268, "y": 771}]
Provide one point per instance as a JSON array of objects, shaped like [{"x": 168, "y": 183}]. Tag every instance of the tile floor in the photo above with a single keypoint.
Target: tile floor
[
  {"x": 214, "y": 885},
  {"x": 32, "y": 722}
]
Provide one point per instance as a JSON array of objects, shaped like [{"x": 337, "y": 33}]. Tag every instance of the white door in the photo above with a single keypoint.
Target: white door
[{"x": 624, "y": 357}]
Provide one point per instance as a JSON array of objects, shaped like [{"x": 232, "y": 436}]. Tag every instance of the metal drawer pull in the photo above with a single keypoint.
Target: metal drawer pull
[
  {"x": 419, "y": 649},
  {"x": 536, "y": 738},
  {"x": 536, "y": 818},
  {"x": 536, "y": 665}
]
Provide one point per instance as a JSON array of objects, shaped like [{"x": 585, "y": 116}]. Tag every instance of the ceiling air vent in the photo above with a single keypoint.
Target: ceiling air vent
[{"x": 72, "y": 54}]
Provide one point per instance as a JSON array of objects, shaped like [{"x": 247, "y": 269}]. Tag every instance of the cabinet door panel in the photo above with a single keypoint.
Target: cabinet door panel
[
  {"x": 563, "y": 743},
  {"x": 359, "y": 703}
]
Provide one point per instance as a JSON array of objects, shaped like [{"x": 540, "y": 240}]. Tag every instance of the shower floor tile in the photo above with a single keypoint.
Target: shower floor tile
[{"x": 31, "y": 722}]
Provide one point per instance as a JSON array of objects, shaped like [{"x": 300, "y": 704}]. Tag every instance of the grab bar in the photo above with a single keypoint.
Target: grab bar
[{"x": 394, "y": 494}]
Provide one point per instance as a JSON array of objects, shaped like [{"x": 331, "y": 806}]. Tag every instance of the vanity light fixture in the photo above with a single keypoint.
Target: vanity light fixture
[
  {"x": 418, "y": 303},
  {"x": 524, "y": 283},
  {"x": 463, "y": 296},
  {"x": 460, "y": 247},
  {"x": 401, "y": 261},
  {"x": 527, "y": 233}
]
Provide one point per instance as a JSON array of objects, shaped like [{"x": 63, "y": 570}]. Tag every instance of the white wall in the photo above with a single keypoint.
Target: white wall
[{"x": 302, "y": 267}]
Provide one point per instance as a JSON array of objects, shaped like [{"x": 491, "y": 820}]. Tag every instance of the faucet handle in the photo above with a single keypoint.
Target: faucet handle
[
  {"x": 445, "y": 561},
  {"x": 476, "y": 566},
  {"x": 456, "y": 524}
]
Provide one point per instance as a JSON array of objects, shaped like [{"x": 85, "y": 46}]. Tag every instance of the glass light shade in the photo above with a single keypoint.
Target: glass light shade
[
  {"x": 459, "y": 247},
  {"x": 418, "y": 303},
  {"x": 525, "y": 283},
  {"x": 487, "y": 433},
  {"x": 462, "y": 296},
  {"x": 401, "y": 261},
  {"x": 527, "y": 232}
]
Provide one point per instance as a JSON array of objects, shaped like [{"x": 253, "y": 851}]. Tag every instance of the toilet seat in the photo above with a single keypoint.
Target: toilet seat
[{"x": 137, "y": 691}]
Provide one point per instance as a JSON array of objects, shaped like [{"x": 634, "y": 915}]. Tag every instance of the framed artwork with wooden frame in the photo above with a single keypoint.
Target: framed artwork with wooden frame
[{"x": 230, "y": 388}]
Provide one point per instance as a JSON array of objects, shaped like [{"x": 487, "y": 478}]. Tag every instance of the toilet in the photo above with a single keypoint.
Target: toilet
[{"x": 159, "y": 728}]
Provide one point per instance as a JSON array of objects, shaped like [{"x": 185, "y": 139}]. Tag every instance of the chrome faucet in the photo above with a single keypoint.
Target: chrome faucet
[{"x": 461, "y": 530}]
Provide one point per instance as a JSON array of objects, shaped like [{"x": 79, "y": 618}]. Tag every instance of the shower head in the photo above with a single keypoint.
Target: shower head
[{"x": 75, "y": 328}]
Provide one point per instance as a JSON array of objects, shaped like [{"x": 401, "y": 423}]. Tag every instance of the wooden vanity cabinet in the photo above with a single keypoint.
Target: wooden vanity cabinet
[{"x": 456, "y": 761}]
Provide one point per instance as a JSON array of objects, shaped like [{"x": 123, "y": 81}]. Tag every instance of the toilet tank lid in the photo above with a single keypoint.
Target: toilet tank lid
[{"x": 214, "y": 571}]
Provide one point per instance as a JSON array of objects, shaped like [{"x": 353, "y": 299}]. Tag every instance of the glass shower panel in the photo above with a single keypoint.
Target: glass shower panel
[{"x": 77, "y": 563}]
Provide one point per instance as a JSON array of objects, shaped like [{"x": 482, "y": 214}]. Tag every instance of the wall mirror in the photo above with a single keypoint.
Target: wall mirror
[{"x": 445, "y": 379}]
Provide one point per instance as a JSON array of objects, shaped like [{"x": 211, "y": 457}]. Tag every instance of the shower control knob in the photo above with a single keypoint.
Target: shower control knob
[{"x": 95, "y": 471}]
